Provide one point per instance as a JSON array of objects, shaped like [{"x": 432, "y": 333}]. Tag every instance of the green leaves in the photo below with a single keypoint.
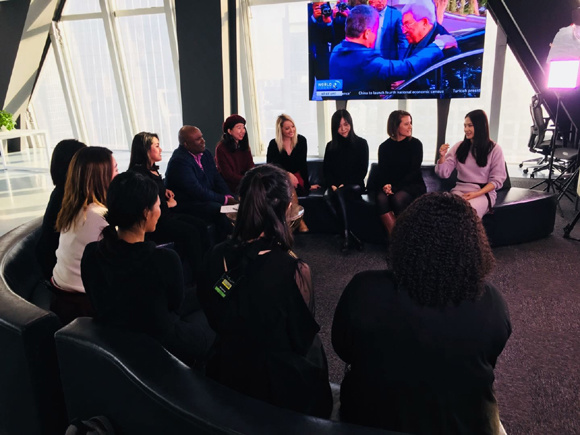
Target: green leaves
[{"x": 6, "y": 120}]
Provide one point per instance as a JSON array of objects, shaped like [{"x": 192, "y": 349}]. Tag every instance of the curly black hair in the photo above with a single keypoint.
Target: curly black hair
[{"x": 439, "y": 251}]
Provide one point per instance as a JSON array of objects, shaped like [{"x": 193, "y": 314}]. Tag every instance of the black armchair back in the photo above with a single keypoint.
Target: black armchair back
[
  {"x": 141, "y": 388},
  {"x": 31, "y": 400}
]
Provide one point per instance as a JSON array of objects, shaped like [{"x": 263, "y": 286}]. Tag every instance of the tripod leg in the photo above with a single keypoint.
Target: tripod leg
[{"x": 568, "y": 228}]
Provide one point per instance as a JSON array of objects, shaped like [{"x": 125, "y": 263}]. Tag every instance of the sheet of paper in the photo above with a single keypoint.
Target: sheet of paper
[{"x": 229, "y": 208}]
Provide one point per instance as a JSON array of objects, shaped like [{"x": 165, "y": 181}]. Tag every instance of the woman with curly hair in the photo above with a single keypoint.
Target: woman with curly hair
[
  {"x": 232, "y": 154},
  {"x": 399, "y": 179},
  {"x": 421, "y": 340},
  {"x": 258, "y": 299},
  {"x": 479, "y": 162}
]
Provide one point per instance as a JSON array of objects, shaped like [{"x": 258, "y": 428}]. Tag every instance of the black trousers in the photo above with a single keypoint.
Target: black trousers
[{"x": 337, "y": 201}]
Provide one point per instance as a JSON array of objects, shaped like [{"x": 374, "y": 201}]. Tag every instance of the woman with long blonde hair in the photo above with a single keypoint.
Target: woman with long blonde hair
[
  {"x": 80, "y": 221},
  {"x": 288, "y": 150}
]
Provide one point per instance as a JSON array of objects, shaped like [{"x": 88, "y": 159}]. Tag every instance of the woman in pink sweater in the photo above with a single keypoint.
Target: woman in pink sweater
[{"x": 479, "y": 162}]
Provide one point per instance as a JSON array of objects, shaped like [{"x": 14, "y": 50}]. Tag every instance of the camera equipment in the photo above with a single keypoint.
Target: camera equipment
[
  {"x": 342, "y": 7},
  {"x": 326, "y": 10}
]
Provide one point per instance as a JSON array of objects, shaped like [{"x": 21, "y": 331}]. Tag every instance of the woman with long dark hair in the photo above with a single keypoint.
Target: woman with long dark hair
[
  {"x": 47, "y": 244},
  {"x": 257, "y": 299},
  {"x": 134, "y": 285},
  {"x": 399, "y": 175},
  {"x": 233, "y": 156},
  {"x": 346, "y": 161},
  {"x": 80, "y": 221},
  {"x": 184, "y": 231},
  {"x": 422, "y": 339},
  {"x": 479, "y": 162}
]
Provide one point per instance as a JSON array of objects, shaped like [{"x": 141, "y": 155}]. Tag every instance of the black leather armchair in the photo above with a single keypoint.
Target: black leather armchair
[
  {"x": 141, "y": 388},
  {"x": 31, "y": 399}
]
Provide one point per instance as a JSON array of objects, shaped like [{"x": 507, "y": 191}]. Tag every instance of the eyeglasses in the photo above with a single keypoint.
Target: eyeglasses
[{"x": 409, "y": 25}]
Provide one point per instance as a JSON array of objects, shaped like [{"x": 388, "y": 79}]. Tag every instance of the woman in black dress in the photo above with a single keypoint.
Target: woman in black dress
[
  {"x": 135, "y": 285},
  {"x": 288, "y": 151},
  {"x": 399, "y": 176},
  {"x": 421, "y": 340},
  {"x": 258, "y": 299},
  {"x": 184, "y": 231},
  {"x": 346, "y": 161}
]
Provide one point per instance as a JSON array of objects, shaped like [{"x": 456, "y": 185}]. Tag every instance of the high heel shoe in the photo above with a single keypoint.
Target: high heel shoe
[{"x": 302, "y": 227}]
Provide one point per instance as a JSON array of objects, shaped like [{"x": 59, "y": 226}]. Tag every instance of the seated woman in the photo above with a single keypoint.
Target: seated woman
[
  {"x": 267, "y": 345},
  {"x": 479, "y": 161},
  {"x": 183, "y": 230},
  {"x": 288, "y": 151},
  {"x": 346, "y": 160},
  {"x": 422, "y": 347},
  {"x": 131, "y": 283},
  {"x": 232, "y": 154},
  {"x": 48, "y": 240},
  {"x": 80, "y": 221},
  {"x": 399, "y": 176}
]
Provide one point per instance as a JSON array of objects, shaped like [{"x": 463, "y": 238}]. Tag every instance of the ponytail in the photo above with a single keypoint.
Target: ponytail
[
  {"x": 110, "y": 236},
  {"x": 265, "y": 196}
]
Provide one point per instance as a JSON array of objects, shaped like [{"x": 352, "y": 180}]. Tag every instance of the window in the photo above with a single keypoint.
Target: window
[{"x": 118, "y": 73}]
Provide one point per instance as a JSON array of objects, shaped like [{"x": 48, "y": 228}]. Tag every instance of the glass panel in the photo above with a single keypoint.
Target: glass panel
[
  {"x": 279, "y": 32},
  {"x": 93, "y": 71},
  {"x": 73, "y": 7},
  {"x": 514, "y": 129},
  {"x": 135, "y": 4},
  {"x": 49, "y": 103},
  {"x": 145, "y": 43}
]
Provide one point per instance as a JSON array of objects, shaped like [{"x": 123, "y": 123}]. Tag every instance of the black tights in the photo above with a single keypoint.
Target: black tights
[
  {"x": 337, "y": 199},
  {"x": 395, "y": 203}
]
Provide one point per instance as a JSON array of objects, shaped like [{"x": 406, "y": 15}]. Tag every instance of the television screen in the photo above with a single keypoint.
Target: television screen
[{"x": 395, "y": 49}]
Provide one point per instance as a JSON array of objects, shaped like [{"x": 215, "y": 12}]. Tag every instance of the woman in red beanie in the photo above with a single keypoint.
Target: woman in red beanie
[{"x": 232, "y": 155}]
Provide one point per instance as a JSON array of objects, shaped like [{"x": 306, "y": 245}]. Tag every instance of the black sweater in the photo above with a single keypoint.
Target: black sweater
[
  {"x": 400, "y": 166},
  {"x": 347, "y": 163},
  {"x": 139, "y": 287}
]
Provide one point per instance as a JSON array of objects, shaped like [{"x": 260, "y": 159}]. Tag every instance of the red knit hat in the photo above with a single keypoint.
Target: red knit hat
[{"x": 231, "y": 121}]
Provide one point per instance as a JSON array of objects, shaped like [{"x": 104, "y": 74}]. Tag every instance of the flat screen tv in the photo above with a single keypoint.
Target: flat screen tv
[{"x": 397, "y": 59}]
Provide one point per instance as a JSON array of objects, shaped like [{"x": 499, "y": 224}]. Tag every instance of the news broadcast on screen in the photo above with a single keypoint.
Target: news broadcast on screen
[{"x": 395, "y": 49}]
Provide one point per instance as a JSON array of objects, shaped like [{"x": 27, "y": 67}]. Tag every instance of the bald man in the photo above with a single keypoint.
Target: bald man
[{"x": 193, "y": 177}]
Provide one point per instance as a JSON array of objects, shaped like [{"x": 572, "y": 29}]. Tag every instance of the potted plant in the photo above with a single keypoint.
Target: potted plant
[{"x": 6, "y": 121}]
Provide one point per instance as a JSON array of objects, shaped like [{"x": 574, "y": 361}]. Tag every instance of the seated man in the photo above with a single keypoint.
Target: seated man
[
  {"x": 360, "y": 66},
  {"x": 420, "y": 27},
  {"x": 194, "y": 179}
]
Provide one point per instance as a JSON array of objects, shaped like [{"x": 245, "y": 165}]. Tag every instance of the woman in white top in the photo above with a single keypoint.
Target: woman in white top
[{"x": 80, "y": 221}]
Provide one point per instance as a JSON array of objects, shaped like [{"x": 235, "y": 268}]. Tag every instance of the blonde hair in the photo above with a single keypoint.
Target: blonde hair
[{"x": 279, "y": 137}]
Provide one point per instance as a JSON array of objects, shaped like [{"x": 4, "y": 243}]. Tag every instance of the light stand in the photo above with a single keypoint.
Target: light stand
[
  {"x": 562, "y": 75},
  {"x": 568, "y": 228}
]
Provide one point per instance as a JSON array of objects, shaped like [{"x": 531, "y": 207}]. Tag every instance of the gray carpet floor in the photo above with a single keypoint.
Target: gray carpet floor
[{"x": 538, "y": 374}]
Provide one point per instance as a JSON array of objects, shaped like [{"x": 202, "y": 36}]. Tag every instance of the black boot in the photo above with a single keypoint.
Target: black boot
[{"x": 356, "y": 242}]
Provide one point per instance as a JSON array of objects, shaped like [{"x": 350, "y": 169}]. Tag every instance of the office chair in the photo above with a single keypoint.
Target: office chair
[{"x": 564, "y": 157}]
